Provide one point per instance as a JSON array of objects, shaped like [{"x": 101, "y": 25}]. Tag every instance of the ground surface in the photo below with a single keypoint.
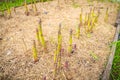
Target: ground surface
[{"x": 17, "y": 33}]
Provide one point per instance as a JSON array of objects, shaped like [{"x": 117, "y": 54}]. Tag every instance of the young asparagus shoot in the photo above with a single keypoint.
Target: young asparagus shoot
[
  {"x": 78, "y": 31},
  {"x": 35, "y": 57},
  {"x": 35, "y": 7},
  {"x": 42, "y": 0},
  {"x": 93, "y": 12},
  {"x": 96, "y": 18},
  {"x": 57, "y": 55},
  {"x": 106, "y": 16},
  {"x": 88, "y": 24},
  {"x": 70, "y": 42},
  {"x": 86, "y": 18},
  {"x": 37, "y": 35},
  {"x": 41, "y": 36},
  {"x": 9, "y": 12},
  {"x": 92, "y": 25},
  {"x": 55, "y": 62},
  {"x": 59, "y": 40},
  {"x": 32, "y": 4},
  {"x": 81, "y": 15},
  {"x": 26, "y": 8},
  {"x": 59, "y": 46}
]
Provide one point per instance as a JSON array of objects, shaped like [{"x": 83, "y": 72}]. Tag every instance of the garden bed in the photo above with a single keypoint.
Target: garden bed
[{"x": 86, "y": 62}]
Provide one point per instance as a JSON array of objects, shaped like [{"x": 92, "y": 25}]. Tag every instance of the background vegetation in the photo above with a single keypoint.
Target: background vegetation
[
  {"x": 115, "y": 72},
  {"x": 15, "y": 3}
]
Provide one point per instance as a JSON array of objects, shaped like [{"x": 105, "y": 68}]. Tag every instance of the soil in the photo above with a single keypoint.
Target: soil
[{"x": 17, "y": 35}]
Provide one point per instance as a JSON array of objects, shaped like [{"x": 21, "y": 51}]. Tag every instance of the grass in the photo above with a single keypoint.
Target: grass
[
  {"x": 115, "y": 72},
  {"x": 15, "y": 3}
]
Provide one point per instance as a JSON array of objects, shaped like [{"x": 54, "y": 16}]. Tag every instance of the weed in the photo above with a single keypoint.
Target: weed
[
  {"x": 8, "y": 10},
  {"x": 93, "y": 55}
]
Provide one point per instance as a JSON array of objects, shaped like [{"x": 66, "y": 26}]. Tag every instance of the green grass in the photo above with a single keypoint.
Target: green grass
[
  {"x": 14, "y": 3},
  {"x": 115, "y": 72}
]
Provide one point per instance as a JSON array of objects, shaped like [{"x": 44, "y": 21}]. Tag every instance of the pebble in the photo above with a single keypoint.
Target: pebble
[{"x": 8, "y": 52}]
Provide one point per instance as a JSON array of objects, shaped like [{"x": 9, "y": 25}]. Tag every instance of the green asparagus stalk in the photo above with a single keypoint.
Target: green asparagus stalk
[
  {"x": 70, "y": 42},
  {"x": 35, "y": 57}
]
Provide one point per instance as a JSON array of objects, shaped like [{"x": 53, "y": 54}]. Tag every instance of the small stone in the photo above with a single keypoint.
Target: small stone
[
  {"x": 45, "y": 12},
  {"x": 8, "y": 52}
]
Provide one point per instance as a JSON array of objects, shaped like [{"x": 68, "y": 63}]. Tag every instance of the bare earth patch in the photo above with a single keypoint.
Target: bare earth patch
[{"x": 17, "y": 33}]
